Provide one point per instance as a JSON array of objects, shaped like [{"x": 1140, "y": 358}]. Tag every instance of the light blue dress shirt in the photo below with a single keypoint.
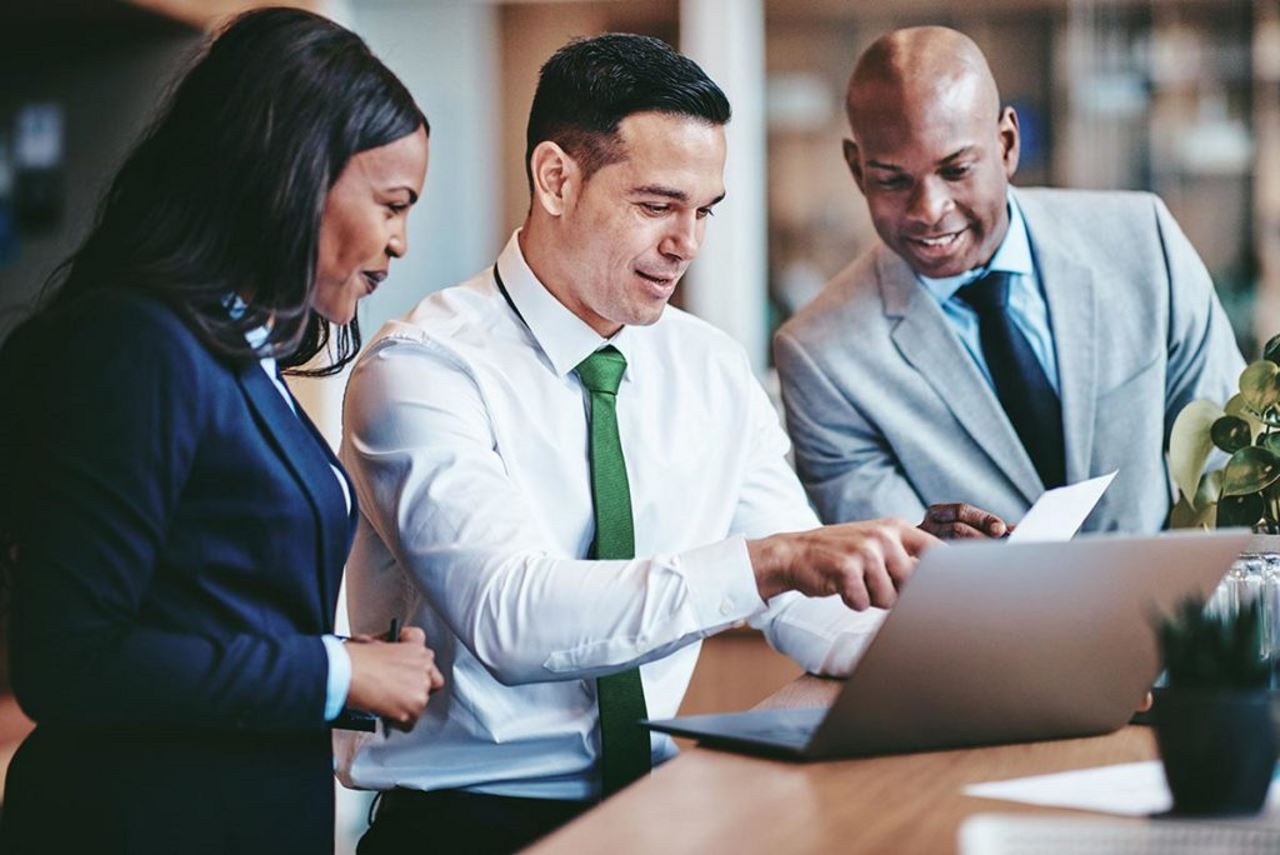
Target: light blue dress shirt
[{"x": 1027, "y": 306}]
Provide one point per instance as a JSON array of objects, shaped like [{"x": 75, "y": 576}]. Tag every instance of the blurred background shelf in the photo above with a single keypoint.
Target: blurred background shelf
[
  {"x": 1181, "y": 97},
  {"x": 1178, "y": 97}
]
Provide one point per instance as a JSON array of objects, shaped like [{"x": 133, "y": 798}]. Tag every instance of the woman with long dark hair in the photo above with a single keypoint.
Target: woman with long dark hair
[{"x": 172, "y": 525}]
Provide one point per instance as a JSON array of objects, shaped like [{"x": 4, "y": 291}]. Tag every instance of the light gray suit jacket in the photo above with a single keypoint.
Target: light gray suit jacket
[{"x": 889, "y": 414}]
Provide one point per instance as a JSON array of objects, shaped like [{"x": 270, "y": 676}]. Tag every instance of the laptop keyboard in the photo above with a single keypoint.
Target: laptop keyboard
[{"x": 996, "y": 834}]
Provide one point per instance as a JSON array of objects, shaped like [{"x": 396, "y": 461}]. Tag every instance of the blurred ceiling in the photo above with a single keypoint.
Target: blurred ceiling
[
  {"x": 106, "y": 12},
  {"x": 207, "y": 13},
  {"x": 200, "y": 14},
  {"x": 844, "y": 9}
]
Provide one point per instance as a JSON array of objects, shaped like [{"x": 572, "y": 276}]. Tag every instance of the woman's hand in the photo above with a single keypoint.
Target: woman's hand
[{"x": 393, "y": 679}]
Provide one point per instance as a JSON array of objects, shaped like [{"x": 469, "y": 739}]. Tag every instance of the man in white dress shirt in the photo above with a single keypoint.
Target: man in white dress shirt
[{"x": 472, "y": 433}]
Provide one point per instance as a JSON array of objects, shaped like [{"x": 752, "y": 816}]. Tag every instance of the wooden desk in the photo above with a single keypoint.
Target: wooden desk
[{"x": 713, "y": 801}]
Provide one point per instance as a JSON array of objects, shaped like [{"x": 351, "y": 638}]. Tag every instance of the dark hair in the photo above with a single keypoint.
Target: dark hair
[
  {"x": 590, "y": 85},
  {"x": 224, "y": 193}
]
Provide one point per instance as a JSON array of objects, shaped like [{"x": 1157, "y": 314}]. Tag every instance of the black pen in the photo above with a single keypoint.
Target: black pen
[{"x": 393, "y": 635}]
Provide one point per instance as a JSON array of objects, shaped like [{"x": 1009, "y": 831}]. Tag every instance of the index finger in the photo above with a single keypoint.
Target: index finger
[
  {"x": 960, "y": 512},
  {"x": 915, "y": 540},
  {"x": 898, "y": 562},
  {"x": 944, "y": 513}
]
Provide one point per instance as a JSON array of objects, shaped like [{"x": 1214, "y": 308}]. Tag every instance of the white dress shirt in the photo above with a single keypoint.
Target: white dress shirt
[{"x": 466, "y": 436}]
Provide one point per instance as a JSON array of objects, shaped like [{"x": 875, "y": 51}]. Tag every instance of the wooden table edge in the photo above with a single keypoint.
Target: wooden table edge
[{"x": 924, "y": 792}]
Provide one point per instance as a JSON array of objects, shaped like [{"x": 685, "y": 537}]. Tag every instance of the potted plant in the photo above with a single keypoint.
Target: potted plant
[
  {"x": 1214, "y": 719},
  {"x": 1246, "y": 491}
]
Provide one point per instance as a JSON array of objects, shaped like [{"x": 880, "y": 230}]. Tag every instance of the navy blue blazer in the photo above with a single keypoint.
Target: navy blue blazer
[{"x": 181, "y": 538}]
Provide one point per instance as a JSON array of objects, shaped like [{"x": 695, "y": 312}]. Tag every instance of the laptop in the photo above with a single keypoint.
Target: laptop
[{"x": 993, "y": 642}]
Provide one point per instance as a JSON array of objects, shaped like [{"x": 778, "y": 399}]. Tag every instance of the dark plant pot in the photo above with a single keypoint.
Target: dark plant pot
[{"x": 1219, "y": 748}]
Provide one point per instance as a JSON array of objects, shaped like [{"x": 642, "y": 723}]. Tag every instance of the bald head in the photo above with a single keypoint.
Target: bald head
[
  {"x": 910, "y": 71},
  {"x": 932, "y": 149}
]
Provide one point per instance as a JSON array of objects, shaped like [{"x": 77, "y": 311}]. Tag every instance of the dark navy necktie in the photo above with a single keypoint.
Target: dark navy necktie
[{"x": 1021, "y": 385}]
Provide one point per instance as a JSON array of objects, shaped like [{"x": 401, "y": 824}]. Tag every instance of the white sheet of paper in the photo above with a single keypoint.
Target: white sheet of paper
[
  {"x": 1059, "y": 513},
  {"x": 1128, "y": 789}
]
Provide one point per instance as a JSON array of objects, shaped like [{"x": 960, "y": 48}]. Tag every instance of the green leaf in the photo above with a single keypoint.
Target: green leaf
[
  {"x": 1260, "y": 386},
  {"x": 1203, "y": 515},
  {"x": 1190, "y": 444},
  {"x": 1202, "y": 649},
  {"x": 1230, "y": 433},
  {"x": 1243, "y": 511},
  {"x": 1250, "y": 470},
  {"x": 1271, "y": 352},
  {"x": 1210, "y": 489},
  {"x": 1236, "y": 407},
  {"x": 1271, "y": 442}
]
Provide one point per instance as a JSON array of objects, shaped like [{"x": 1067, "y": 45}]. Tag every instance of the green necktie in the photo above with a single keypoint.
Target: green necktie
[{"x": 624, "y": 744}]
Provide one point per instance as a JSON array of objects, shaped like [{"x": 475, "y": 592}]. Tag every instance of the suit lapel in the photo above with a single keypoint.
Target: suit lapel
[
  {"x": 1070, "y": 292},
  {"x": 305, "y": 458},
  {"x": 927, "y": 342},
  {"x": 338, "y": 537}
]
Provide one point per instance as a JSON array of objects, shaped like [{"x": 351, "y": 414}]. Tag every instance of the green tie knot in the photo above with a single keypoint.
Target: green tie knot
[{"x": 602, "y": 371}]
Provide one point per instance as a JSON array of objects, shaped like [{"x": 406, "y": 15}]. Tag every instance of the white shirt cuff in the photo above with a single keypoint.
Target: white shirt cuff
[{"x": 721, "y": 582}]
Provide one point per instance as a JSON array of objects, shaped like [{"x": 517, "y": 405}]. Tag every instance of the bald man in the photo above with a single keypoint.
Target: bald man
[{"x": 996, "y": 341}]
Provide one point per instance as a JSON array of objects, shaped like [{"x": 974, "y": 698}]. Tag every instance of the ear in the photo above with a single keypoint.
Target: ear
[
  {"x": 555, "y": 177},
  {"x": 1010, "y": 141},
  {"x": 853, "y": 157}
]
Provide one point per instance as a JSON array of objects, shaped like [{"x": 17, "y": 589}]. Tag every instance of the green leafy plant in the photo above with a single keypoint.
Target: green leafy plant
[
  {"x": 1214, "y": 651},
  {"x": 1246, "y": 491}
]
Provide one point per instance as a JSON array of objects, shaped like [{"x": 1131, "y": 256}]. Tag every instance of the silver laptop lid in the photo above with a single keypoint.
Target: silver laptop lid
[{"x": 1000, "y": 642}]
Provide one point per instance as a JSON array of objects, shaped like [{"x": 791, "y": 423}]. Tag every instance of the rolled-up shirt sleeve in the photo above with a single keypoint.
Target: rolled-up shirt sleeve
[{"x": 433, "y": 485}]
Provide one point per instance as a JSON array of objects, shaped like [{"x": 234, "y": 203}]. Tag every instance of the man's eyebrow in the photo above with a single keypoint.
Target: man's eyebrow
[
  {"x": 662, "y": 190},
  {"x": 956, "y": 155},
  {"x": 671, "y": 193},
  {"x": 889, "y": 167}
]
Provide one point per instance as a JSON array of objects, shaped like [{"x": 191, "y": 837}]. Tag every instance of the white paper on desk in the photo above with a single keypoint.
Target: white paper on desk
[
  {"x": 1128, "y": 789},
  {"x": 1059, "y": 513}
]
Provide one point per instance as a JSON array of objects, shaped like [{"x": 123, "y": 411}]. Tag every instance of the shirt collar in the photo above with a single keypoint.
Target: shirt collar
[
  {"x": 564, "y": 337},
  {"x": 1012, "y": 256},
  {"x": 256, "y": 337},
  {"x": 236, "y": 307}
]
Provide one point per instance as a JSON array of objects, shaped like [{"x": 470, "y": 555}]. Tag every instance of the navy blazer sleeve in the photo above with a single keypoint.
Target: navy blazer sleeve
[{"x": 114, "y": 407}]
